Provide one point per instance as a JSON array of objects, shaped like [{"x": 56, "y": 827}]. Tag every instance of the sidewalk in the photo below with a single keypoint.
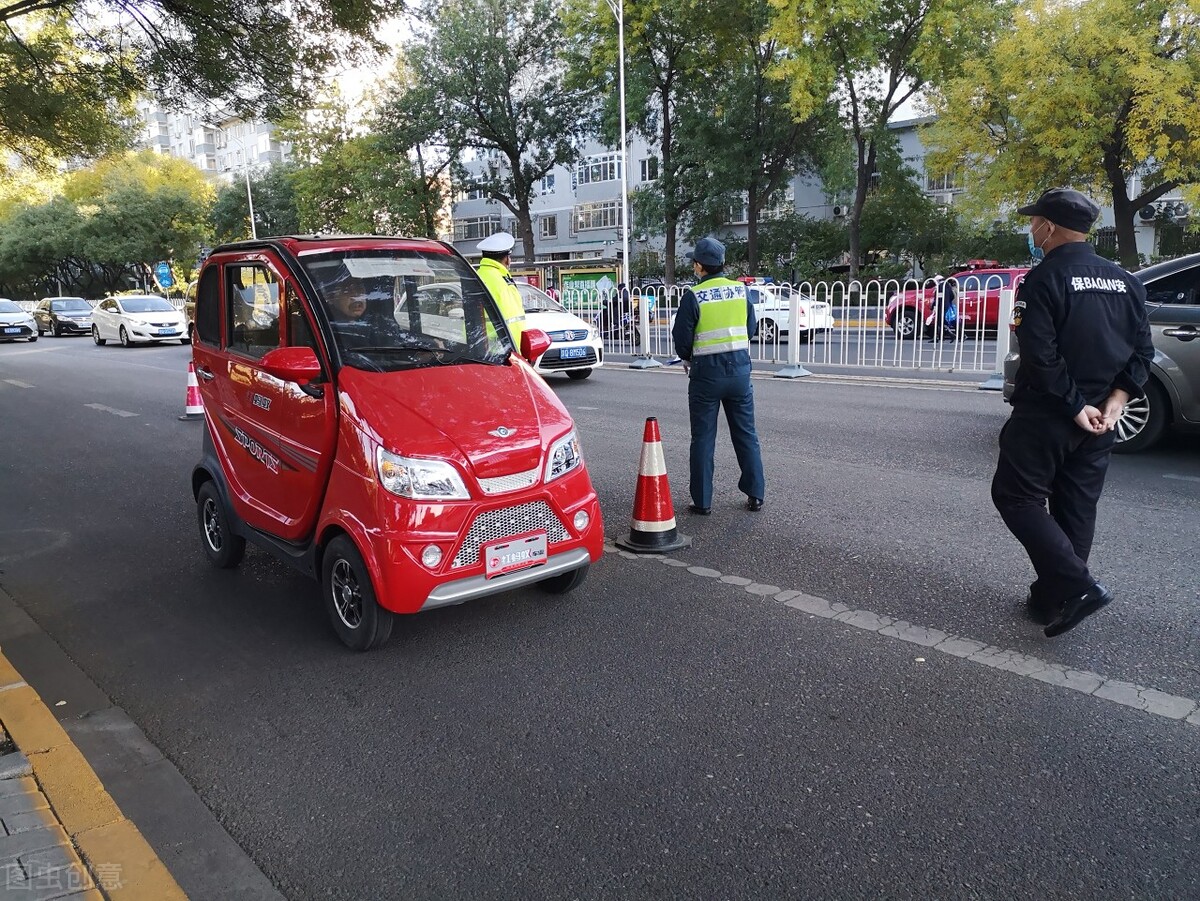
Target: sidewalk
[{"x": 62, "y": 835}]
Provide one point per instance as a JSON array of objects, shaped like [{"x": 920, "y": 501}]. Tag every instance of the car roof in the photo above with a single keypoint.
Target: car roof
[
  {"x": 297, "y": 245},
  {"x": 1167, "y": 267}
]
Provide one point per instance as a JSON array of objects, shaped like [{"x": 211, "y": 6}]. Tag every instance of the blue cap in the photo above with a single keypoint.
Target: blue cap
[{"x": 708, "y": 252}]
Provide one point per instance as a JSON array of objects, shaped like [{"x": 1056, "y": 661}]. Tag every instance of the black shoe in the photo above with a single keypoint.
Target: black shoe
[
  {"x": 698, "y": 510},
  {"x": 754, "y": 504},
  {"x": 1040, "y": 609},
  {"x": 1077, "y": 608}
]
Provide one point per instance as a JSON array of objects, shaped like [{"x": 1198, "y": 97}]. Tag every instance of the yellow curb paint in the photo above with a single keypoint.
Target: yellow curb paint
[{"x": 89, "y": 815}]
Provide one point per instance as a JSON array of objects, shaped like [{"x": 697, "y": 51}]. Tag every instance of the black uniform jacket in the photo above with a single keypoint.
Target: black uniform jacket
[{"x": 1082, "y": 330}]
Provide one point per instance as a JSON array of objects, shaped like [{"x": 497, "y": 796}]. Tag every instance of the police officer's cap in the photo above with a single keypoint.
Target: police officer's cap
[
  {"x": 708, "y": 252},
  {"x": 500, "y": 242},
  {"x": 1064, "y": 207}
]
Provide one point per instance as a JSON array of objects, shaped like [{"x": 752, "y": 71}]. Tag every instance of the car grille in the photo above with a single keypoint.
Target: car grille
[
  {"x": 552, "y": 359},
  {"x": 495, "y": 525},
  {"x": 501, "y": 484},
  {"x": 578, "y": 334},
  {"x": 164, "y": 325}
]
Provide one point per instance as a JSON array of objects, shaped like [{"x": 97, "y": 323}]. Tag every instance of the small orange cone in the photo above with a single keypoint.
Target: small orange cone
[
  {"x": 194, "y": 406},
  {"x": 652, "y": 528}
]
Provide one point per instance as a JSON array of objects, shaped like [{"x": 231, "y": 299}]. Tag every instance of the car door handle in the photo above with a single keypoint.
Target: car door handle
[
  {"x": 204, "y": 373},
  {"x": 1183, "y": 334}
]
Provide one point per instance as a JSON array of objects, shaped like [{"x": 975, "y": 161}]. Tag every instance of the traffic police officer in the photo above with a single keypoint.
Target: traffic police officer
[
  {"x": 1085, "y": 351},
  {"x": 712, "y": 336},
  {"x": 493, "y": 270}
]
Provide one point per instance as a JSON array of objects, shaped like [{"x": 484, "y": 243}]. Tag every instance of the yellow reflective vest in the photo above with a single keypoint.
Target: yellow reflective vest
[
  {"x": 722, "y": 324},
  {"x": 507, "y": 297}
]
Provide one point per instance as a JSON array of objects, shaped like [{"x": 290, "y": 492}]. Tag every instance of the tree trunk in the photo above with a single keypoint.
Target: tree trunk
[
  {"x": 667, "y": 174},
  {"x": 752, "y": 231},
  {"x": 525, "y": 227},
  {"x": 866, "y": 162}
]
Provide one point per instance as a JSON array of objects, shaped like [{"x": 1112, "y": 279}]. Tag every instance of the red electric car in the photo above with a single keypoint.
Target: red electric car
[
  {"x": 978, "y": 301},
  {"x": 380, "y": 432}
]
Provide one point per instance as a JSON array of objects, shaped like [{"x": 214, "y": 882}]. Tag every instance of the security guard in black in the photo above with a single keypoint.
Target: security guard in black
[{"x": 1085, "y": 348}]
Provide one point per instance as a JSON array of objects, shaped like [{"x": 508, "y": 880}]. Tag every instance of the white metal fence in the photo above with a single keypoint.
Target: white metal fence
[{"x": 876, "y": 324}]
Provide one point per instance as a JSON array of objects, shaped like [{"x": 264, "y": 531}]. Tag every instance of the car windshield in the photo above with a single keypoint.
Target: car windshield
[
  {"x": 74, "y": 305},
  {"x": 399, "y": 309},
  {"x": 536, "y": 300},
  {"x": 146, "y": 305},
  {"x": 9, "y": 306}
]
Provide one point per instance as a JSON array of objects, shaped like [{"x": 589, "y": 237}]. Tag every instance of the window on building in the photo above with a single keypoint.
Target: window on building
[
  {"x": 597, "y": 168},
  {"x": 548, "y": 227},
  {"x": 476, "y": 229},
  {"x": 951, "y": 181},
  {"x": 606, "y": 214},
  {"x": 650, "y": 169},
  {"x": 546, "y": 185}
]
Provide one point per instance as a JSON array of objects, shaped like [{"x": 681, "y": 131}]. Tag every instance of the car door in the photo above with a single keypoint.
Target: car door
[
  {"x": 102, "y": 318},
  {"x": 1173, "y": 304},
  {"x": 41, "y": 315},
  {"x": 277, "y": 437}
]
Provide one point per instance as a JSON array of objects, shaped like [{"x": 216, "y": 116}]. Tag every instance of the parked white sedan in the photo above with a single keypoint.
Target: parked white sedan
[
  {"x": 137, "y": 319},
  {"x": 575, "y": 345},
  {"x": 772, "y": 308}
]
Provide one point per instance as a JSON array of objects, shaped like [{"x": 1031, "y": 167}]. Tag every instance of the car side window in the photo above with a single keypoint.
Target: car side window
[
  {"x": 1180, "y": 288},
  {"x": 252, "y": 309},
  {"x": 300, "y": 333},
  {"x": 208, "y": 309}
]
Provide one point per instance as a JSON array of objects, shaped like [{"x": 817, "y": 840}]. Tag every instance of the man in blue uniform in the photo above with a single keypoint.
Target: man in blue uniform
[
  {"x": 1085, "y": 351},
  {"x": 712, "y": 336}
]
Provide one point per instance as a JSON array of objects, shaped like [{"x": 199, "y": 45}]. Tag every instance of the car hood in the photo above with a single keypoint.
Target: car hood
[
  {"x": 164, "y": 316},
  {"x": 554, "y": 321},
  {"x": 455, "y": 412},
  {"x": 14, "y": 318}
]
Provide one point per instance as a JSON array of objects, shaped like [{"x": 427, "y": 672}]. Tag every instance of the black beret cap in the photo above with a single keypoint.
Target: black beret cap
[{"x": 1064, "y": 207}]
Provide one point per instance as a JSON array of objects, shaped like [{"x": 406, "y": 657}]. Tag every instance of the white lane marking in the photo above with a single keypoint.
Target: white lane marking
[
  {"x": 113, "y": 410},
  {"x": 587, "y": 408},
  {"x": 1179, "y": 478},
  {"x": 1139, "y": 697},
  {"x": 18, "y": 383}
]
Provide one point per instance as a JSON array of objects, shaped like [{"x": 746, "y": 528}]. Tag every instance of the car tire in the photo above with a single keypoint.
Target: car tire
[
  {"x": 33, "y": 338},
  {"x": 905, "y": 323},
  {"x": 56, "y": 330},
  {"x": 1144, "y": 421},
  {"x": 40, "y": 331},
  {"x": 100, "y": 342},
  {"x": 125, "y": 342},
  {"x": 565, "y": 582},
  {"x": 223, "y": 548},
  {"x": 767, "y": 331},
  {"x": 578, "y": 374},
  {"x": 354, "y": 612}
]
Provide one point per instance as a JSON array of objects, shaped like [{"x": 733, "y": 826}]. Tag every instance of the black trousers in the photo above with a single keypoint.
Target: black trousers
[{"x": 1046, "y": 487}]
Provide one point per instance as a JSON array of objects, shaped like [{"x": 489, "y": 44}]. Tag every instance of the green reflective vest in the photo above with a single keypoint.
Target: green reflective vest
[
  {"x": 506, "y": 295},
  {"x": 722, "y": 324}
]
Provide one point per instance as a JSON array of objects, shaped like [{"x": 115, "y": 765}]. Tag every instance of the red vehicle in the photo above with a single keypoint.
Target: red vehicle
[
  {"x": 369, "y": 422},
  {"x": 978, "y": 301}
]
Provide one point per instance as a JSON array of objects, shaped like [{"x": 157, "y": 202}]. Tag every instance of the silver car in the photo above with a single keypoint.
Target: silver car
[{"x": 1173, "y": 392}]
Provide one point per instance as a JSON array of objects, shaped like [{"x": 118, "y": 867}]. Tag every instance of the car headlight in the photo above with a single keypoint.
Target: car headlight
[
  {"x": 434, "y": 480},
  {"x": 565, "y": 455}
]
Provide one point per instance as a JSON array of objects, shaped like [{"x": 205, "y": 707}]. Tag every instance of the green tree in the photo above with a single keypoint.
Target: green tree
[
  {"x": 670, "y": 48},
  {"x": 1101, "y": 96},
  {"x": 874, "y": 55},
  {"x": 38, "y": 247},
  {"x": 486, "y": 77},
  {"x": 275, "y": 210},
  {"x": 70, "y": 67}
]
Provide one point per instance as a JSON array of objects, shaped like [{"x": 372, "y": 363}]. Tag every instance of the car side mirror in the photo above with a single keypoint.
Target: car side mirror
[
  {"x": 534, "y": 343},
  {"x": 292, "y": 364}
]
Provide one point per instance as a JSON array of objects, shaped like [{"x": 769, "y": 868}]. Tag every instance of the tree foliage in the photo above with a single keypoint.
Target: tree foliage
[
  {"x": 1101, "y": 96},
  {"x": 485, "y": 78},
  {"x": 69, "y": 68},
  {"x": 872, "y": 56},
  {"x": 275, "y": 210}
]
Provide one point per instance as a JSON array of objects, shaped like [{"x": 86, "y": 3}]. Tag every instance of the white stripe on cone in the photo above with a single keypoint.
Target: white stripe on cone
[
  {"x": 652, "y": 462},
  {"x": 640, "y": 525}
]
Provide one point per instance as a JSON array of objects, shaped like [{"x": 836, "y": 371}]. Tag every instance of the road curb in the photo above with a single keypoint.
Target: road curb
[{"x": 118, "y": 857}]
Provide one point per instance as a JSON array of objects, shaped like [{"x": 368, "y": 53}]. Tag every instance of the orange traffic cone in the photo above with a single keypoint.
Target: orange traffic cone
[
  {"x": 194, "y": 406},
  {"x": 652, "y": 528}
]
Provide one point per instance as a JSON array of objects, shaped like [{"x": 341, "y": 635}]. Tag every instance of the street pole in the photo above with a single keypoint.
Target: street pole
[{"x": 249, "y": 195}]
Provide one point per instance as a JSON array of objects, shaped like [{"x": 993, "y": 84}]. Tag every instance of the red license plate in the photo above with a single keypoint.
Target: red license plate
[{"x": 512, "y": 554}]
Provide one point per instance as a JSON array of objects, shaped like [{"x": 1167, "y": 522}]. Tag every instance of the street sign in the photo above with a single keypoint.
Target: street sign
[{"x": 162, "y": 275}]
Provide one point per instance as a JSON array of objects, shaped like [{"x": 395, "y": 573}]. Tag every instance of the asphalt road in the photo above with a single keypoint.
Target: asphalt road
[{"x": 662, "y": 732}]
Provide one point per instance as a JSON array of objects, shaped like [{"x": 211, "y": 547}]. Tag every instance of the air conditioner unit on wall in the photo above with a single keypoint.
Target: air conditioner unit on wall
[
  {"x": 1148, "y": 212},
  {"x": 839, "y": 210}
]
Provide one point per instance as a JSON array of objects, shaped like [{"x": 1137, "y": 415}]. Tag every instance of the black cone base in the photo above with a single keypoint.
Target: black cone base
[{"x": 653, "y": 542}]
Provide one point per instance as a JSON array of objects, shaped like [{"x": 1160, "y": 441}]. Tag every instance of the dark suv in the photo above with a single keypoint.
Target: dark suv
[{"x": 1173, "y": 392}]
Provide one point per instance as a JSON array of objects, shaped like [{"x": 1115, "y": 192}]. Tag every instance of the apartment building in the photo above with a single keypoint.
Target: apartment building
[{"x": 220, "y": 146}]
